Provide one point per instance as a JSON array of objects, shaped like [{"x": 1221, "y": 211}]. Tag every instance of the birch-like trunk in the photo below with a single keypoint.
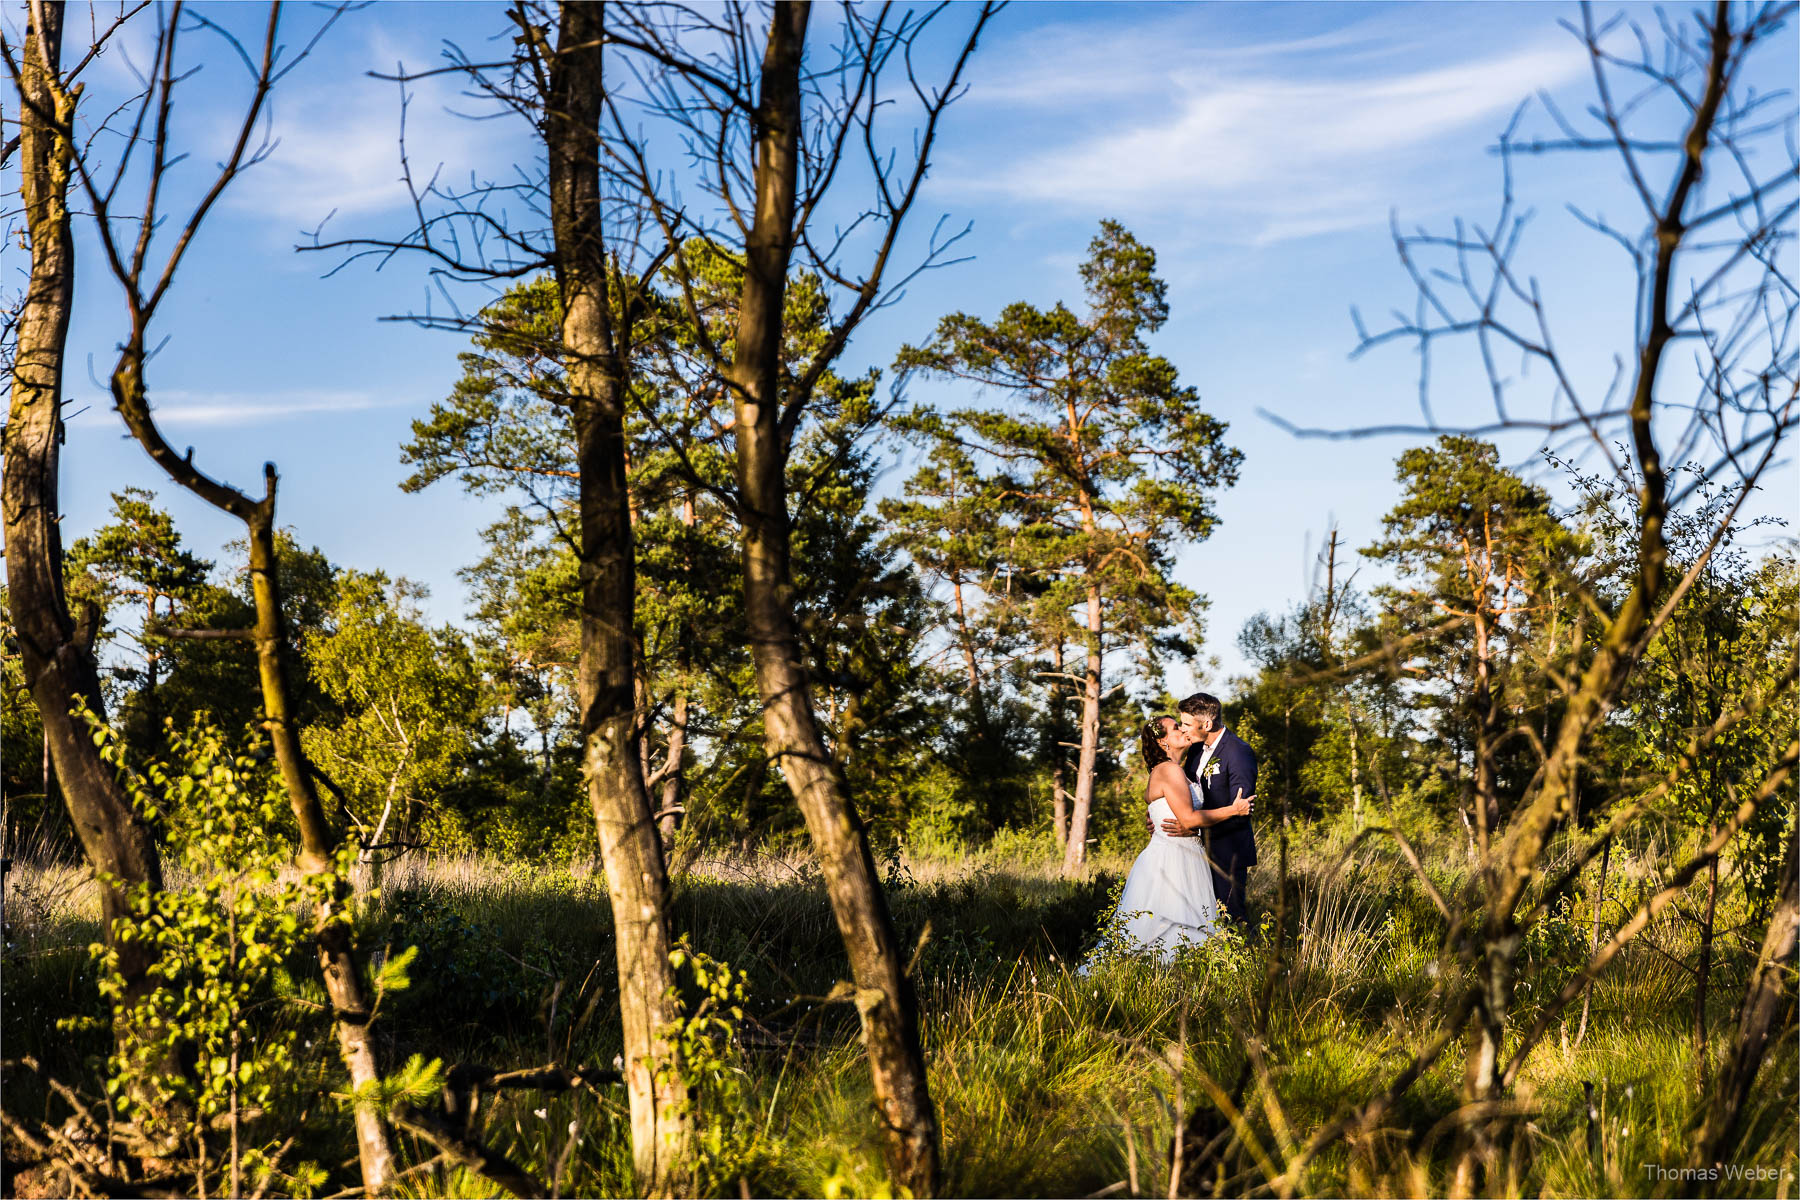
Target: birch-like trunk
[{"x": 1075, "y": 855}]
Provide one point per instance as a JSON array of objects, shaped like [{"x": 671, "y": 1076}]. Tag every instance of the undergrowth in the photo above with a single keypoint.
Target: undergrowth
[{"x": 1048, "y": 1080}]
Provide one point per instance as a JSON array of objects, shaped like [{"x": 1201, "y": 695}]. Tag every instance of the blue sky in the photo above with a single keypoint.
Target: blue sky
[{"x": 1258, "y": 148}]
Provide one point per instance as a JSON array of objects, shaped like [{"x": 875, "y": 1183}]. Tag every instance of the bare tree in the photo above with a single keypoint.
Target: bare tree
[
  {"x": 774, "y": 134},
  {"x": 55, "y": 646},
  {"x": 146, "y": 269},
  {"x": 595, "y": 333},
  {"x": 1712, "y": 256},
  {"x": 557, "y": 81}
]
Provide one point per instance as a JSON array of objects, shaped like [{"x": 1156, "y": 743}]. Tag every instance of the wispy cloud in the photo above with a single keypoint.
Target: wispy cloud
[
  {"x": 1078, "y": 64},
  {"x": 178, "y": 409},
  {"x": 338, "y": 145},
  {"x": 1273, "y": 141}
]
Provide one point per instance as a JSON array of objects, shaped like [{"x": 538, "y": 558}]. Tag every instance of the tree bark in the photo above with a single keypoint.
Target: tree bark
[
  {"x": 1487, "y": 1027},
  {"x": 675, "y": 773},
  {"x": 1075, "y": 856},
  {"x": 58, "y": 661},
  {"x": 595, "y": 370},
  {"x": 884, "y": 996},
  {"x": 1486, "y": 711},
  {"x": 52, "y": 794}
]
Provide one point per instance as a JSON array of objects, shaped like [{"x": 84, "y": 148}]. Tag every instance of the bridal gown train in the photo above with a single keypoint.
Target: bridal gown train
[{"x": 1168, "y": 899}]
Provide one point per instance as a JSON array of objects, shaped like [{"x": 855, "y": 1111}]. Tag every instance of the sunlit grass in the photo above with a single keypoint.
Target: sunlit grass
[{"x": 1047, "y": 1080}]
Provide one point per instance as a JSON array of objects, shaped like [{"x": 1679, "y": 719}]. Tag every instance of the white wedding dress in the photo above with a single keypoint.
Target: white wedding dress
[{"x": 1168, "y": 901}]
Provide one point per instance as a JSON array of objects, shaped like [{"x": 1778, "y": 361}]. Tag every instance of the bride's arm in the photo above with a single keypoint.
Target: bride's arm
[
  {"x": 1181, "y": 801},
  {"x": 1189, "y": 819}
]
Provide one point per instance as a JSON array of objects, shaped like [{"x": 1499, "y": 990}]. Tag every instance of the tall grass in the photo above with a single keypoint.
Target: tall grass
[{"x": 1048, "y": 1081}]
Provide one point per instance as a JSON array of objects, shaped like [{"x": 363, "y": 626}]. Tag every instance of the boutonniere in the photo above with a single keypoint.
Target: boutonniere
[{"x": 1212, "y": 768}]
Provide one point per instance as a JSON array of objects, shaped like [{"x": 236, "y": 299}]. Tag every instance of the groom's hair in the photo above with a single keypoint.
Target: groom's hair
[{"x": 1207, "y": 708}]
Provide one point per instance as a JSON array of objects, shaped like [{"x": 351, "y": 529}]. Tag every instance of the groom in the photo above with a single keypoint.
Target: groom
[{"x": 1225, "y": 768}]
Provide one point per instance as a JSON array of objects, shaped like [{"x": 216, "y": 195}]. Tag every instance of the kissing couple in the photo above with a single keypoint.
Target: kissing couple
[{"x": 1199, "y": 797}]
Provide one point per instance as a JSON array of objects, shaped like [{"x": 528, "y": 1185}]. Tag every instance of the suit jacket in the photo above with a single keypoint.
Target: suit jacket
[{"x": 1232, "y": 768}]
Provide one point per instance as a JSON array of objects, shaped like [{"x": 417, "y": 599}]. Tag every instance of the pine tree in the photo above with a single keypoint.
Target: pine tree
[{"x": 1101, "y": 465}]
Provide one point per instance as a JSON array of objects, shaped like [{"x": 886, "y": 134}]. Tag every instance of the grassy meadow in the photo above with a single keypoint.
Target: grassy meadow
[{"x": 1056, "y": 1071}]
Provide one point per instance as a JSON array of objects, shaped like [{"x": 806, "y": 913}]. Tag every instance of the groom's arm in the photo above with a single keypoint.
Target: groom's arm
[
  {"x": 1250, "y": 773},
  {"x": 1241, "y": 771}
]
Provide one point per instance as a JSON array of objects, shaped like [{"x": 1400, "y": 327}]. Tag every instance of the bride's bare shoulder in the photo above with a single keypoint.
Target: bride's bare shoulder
[{"x": 1166, "y": 775}]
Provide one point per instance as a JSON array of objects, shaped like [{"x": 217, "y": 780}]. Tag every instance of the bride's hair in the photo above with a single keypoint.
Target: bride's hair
[{"x": 1154, "y": 732}]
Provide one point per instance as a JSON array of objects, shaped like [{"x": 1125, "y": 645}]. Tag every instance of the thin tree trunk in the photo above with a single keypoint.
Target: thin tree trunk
[
  {"x": 51, "y": 791},
  {"x": 57, "y": 659},
  {"x": 544, "y": 755},
  {"x": 1487, "y": 800},
  {"x": 673, "y": 774},
  {"x": 630, "y": 848},
  {"x": 1703, "y": 969},
  {"x": 1059, "y": 775},
  {"x": 318, "y": 842},
  {"x": 1767, "y": 1009},
  {"x": 152, "y": 717},
  {"x": 884, "y": 995},
  {"x": 1517, "y": 859},
  {"x": 977, "y": 700},
  {"x": 1487, "y": 1028},
  {"x": 1594, "y": 938},
  {"x": 1075, "y": 855}
]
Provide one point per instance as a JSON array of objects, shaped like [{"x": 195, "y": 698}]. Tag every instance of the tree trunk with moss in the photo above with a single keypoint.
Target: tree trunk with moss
[
  {"x": 55, "y": 649},
  {"x": 338, "y": 965}
]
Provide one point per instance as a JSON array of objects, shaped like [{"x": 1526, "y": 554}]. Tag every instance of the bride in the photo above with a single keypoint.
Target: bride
[{"x": 1168, "y": 899}]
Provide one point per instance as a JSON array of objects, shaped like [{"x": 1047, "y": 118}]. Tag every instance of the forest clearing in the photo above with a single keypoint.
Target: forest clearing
[{"x": 706, "y": 606}]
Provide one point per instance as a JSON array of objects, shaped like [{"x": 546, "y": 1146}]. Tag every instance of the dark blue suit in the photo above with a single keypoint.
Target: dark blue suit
[{"x": 1231, "y": 844}]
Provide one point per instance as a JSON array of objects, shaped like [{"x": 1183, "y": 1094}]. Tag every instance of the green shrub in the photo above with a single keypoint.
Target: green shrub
[{"x": 192, "y": 1068}]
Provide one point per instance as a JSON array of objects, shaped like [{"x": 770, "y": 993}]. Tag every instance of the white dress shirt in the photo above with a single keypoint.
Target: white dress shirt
[{"x": 1205, "y": 757}]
